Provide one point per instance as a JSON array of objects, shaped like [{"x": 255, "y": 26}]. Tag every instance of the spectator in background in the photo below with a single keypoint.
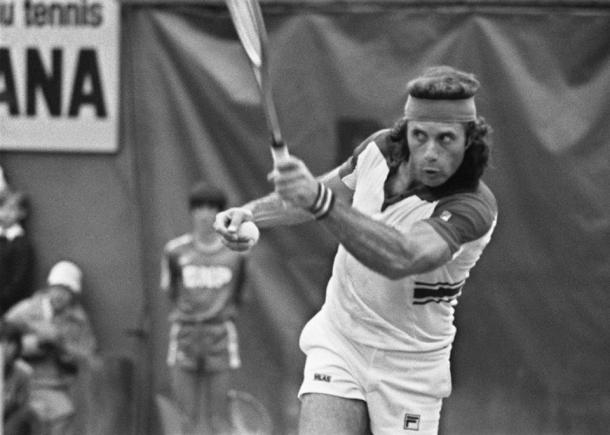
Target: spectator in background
[
  {"x": 204, "y": 281},
  {"x": 16, "y": 388},
  {"x": 58, "y": 342},
  {"x": 16, "y": 251}
]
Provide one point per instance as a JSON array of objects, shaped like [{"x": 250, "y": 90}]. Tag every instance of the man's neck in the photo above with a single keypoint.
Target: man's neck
[{"x": 401, "y": 181}]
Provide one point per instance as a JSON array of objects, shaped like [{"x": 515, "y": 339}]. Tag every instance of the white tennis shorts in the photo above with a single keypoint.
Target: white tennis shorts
[{"x": 403, "y": 391}]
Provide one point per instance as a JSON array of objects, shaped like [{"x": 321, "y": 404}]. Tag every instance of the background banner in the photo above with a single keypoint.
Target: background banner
[
  {"x": 531, "y": 354},
  {"x": 59, "y": 75}
]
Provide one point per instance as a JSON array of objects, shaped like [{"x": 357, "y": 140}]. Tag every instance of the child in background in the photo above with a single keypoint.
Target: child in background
[{"x": 204, "y": 281}]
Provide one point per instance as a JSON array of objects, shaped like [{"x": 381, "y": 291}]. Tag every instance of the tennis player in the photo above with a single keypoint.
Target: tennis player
[{"x": 412, "y": 217}]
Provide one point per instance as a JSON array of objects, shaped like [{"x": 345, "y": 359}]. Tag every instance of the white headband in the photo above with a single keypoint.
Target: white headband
[{"x": 423, "y": 109}]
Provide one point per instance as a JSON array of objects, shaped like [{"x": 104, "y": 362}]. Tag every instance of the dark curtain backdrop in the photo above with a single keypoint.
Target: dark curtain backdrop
[{"x": 531, "y": 355}]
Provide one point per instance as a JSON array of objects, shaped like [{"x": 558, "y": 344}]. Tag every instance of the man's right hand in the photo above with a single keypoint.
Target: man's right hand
[{"x": 226, "y": 225}]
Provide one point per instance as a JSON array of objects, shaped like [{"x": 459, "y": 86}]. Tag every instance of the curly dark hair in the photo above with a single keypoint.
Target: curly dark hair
[{"x": 443, "y": 83}]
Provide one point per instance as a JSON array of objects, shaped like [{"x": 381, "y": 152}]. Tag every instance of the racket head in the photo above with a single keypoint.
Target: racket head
[{"x": 248, "y": 21}]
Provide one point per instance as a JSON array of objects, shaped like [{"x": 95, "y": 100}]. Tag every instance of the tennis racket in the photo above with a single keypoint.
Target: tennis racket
[{"x": 248, "y": 21}]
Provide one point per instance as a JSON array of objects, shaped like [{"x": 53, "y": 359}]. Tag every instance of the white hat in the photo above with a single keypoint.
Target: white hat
[{"x": 67, "y": 274}]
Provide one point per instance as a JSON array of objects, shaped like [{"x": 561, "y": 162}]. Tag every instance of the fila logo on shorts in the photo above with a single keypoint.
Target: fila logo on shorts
[{"x": 411, "y": 422}]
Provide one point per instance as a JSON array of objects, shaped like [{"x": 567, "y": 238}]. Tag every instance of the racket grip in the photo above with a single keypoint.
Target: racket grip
[{"x": 279, "y": 151}]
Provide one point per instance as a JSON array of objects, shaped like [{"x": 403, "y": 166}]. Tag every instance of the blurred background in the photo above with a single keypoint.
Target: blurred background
[{"x": 533, "y": 345}]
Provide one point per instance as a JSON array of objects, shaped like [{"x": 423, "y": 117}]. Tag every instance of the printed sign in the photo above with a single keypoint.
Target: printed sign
[{"x": 59, "y": 75}]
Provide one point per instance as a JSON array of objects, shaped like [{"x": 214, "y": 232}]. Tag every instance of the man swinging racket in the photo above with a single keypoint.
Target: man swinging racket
[{"x": 412, "y": 217}]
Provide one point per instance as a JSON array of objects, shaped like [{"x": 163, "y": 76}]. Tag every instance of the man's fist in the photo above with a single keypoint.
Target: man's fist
[
  {"x": 294, "y": 183},
  {"x": 236, "y": 228}
]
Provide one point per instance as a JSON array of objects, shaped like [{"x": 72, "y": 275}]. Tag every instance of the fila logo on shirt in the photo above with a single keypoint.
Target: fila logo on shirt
[
  {"x": 445, "y": 215},
  {"x": 411, "y": 422}
]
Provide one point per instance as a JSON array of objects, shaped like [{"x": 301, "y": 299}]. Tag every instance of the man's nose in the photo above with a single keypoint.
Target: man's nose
[{"x": 431, "y": 152}]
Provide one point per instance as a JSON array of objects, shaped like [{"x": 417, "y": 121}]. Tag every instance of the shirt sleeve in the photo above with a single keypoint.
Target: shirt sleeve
[
  {"x": 463, "y": 217},
  {"x": 347, "y": 171}
]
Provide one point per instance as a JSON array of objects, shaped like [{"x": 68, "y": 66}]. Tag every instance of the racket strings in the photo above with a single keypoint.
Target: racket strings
[{"x": 246, "y": 24}]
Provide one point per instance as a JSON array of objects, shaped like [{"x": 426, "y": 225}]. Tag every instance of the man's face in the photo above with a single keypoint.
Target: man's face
[{"x": 437, "y": 150}]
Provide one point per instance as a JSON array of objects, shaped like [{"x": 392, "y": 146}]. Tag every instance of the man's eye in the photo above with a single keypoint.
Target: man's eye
[
  {"x": 446, "y": 139},
  {"x": 419, "y": 136}
]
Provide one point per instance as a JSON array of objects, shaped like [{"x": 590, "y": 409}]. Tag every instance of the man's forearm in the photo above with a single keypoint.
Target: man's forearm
[
  {"x": 375, "y": 244},
  {"x": 270, "y": 211}
]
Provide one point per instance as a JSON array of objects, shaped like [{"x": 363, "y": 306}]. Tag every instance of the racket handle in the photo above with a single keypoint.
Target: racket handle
[{"x": 279, "y": 151}]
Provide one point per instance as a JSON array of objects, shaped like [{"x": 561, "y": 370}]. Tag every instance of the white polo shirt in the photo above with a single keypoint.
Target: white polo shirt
[{"x": 416, "y": 313}]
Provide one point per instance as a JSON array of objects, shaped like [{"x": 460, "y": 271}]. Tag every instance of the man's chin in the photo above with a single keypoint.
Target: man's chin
[{"x": 433, "y": 181}]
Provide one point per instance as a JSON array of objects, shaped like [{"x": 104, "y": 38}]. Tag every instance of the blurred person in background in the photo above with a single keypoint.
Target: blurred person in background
[
  {"x": 16, "y": 411},
  {"x": 204, "y": 281},
  {"x": 4, "y": 186},
  {"x": 16, "y": 250},
  {"x": 58, "y": 342}
]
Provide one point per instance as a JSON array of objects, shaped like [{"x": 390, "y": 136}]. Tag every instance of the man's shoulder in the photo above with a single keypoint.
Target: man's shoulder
[
  {"x": 473, "y": 212},
  {"x": 465, "y": 215},
  {"x": 382, "y": 141},
  {"x": 480, "y": 196}
]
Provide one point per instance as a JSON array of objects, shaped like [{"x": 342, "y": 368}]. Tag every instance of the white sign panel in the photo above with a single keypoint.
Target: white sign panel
[{"x": 59, "y": 75}]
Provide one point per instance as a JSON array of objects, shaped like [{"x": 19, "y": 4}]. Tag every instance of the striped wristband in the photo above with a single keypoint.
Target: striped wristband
[{"x": 325, "y": 199}]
